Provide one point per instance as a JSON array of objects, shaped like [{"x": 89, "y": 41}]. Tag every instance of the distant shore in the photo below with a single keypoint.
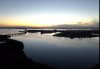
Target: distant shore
[
  {"x": 78, "y": 34},
  {"x": 69, "y": 33}
]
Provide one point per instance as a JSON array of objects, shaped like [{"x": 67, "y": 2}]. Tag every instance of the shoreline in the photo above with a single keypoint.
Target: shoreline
[{"x": 12, "y": 56}]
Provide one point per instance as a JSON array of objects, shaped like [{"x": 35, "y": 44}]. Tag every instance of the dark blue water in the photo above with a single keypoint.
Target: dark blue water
[{"x": 61, "y": 52}]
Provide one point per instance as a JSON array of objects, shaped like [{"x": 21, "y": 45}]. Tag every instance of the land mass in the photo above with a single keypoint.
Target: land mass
[{"x": 12, "y": 56}]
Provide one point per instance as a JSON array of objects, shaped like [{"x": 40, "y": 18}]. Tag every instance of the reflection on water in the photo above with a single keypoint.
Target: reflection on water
[{"x": 60, "y": 52}]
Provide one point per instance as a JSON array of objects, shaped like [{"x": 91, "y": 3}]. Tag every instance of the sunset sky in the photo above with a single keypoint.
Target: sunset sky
[{"x": 47, "y": 12}]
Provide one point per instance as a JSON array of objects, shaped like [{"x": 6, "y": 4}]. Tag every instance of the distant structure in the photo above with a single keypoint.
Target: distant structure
[
  {"x": 25, "y": 31},
  {"x": 55, "y": 30}
]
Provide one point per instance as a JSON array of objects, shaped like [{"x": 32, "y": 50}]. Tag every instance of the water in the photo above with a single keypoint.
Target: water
[
  {"x": 61, "y": 52},
  {"x": 9, "y": 31}
]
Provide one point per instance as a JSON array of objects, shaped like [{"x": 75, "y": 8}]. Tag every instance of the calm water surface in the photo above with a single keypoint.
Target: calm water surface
[
  {"x": 61, "y": 52},
  {"x": 8, "y": 31}
]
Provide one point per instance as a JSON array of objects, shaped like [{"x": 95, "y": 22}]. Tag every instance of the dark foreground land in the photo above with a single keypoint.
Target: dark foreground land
[{"x": 12, "y": 56}]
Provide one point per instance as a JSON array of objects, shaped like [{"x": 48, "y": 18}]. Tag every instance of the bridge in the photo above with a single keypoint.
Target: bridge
[
  {"x": 16, "y": 34},
  {"x": 8, "y": 35}
]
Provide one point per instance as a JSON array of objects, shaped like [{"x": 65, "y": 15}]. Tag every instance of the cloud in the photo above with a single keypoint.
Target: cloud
[{"x": 91, "y": 23}]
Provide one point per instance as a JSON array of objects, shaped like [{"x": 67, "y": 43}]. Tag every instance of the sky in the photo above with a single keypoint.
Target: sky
[{"x": 48, "y": 12}]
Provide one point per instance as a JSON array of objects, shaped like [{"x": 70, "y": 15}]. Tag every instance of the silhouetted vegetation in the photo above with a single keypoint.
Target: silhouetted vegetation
[
  {"x": 12, "y": 56},
  {"x": 41, "y": 30},
  {"x": 4, "y": 37},
  {"x": 78, "y": 34}
]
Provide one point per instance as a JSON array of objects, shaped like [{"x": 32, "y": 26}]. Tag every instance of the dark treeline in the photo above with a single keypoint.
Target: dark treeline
[
  {"x": 78, "y": 34},
  {"x": 41, "y": 30},
  {"x": 70, "y": 33},
  {"x": 56, "y": 30}
]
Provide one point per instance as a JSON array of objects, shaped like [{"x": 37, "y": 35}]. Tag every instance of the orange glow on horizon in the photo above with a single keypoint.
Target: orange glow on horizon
[{"x": 43, "y": 20}]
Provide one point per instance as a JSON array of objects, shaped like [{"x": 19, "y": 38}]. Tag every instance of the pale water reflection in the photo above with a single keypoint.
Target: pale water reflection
[
  {"x": 61, "y": 52},
  {"x": 9, "y": 31}
]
